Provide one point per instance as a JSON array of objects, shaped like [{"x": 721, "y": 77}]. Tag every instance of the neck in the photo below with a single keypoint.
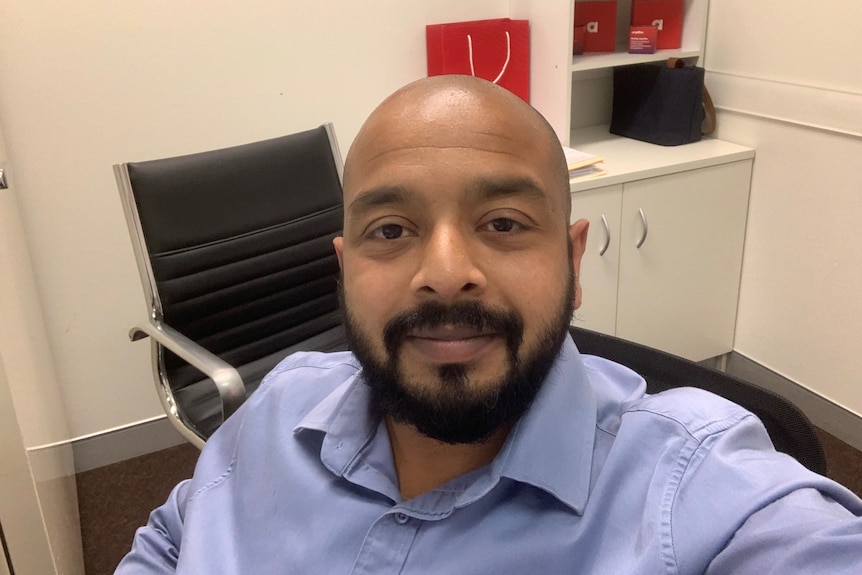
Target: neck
[{"x": 423, "y": 464}]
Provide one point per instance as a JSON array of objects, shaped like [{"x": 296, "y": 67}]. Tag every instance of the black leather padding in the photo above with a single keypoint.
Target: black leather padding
[
  {"x": 240, "y": 245},
  {"x": 789, "y": 429},
  {"x": 237, "y": 190}
]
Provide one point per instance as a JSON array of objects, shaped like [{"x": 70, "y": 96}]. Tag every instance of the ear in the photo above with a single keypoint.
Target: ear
[
  {"x": 338, "y": 244},
  {"x": 578, "y": 236}
]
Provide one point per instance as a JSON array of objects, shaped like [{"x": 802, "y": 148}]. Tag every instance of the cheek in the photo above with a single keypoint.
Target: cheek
[
  {"x": 533, "y": 277},
  {"x": 371, "y": 293},
  {"x": 535, "y": 289}
]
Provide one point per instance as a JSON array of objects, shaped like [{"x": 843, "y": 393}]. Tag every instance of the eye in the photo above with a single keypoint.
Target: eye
[
  {"x": 388, "y": 232},
  {"x": 504, "y": 225}
]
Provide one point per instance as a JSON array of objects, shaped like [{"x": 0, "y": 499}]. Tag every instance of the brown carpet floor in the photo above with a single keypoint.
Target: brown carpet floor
[
  {"x": 113, "y": 501},
  {"x": 844, "y": 464},
  {"x": 116, "y": 499}
]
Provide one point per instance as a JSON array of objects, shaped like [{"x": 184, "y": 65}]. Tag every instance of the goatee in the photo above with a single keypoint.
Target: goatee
[{"x": 452, "y": 409}]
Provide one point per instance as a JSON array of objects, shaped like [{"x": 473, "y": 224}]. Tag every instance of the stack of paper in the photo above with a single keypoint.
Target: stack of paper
[{"x": 582, "y": 165}]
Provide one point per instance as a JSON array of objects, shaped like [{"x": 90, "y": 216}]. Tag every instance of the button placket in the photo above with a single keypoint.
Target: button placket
[
  {"x": 386, "y": 545},
  {"x": 401, "y": 518}
]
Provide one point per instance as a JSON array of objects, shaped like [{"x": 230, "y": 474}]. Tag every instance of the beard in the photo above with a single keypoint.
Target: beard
[{"x": 451, "y": 409}]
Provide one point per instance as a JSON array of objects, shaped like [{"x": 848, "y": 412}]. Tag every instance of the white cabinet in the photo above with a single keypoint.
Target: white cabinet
[
  {"x": 678, "y": 289},
  {"x": 599, "y": 274}
]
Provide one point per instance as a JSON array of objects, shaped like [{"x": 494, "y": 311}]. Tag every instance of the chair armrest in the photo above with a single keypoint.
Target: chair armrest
[{"x": 229, "y": 384}]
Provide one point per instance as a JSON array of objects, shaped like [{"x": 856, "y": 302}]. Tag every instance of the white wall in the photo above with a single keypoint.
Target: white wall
[
  {"x": 92, "y": 83},
  {"x": 787, "y": 76},
  {"x": 38, "y": 496},
  {"x": 23, "y": 338},
  {"x": 87, "y": 84},
  {"x": 20, "y": 515}
]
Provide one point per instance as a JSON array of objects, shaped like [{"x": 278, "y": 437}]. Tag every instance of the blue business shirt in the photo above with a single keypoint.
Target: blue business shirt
[{"x": 597, "y": 477}]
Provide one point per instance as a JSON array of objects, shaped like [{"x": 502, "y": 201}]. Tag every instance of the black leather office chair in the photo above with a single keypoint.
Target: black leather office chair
[
  {"x": 234, "y": 248},
  {"x": 790, "y": 430}
]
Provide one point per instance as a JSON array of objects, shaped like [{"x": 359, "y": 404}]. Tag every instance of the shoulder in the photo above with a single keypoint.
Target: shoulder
[
  {"x": 621, "y": 397},
  {"x": 296, "y": 386},
  {"x": 307, "y": 373},
  {"x": 314, "y": 364},
  {"x": 288, "y": 393},
  {"x": 266, "y": 421},
  {"x": 694, "y": 412}
]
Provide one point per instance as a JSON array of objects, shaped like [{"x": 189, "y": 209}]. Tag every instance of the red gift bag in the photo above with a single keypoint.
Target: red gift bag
[{"x": 496, "y": 50}]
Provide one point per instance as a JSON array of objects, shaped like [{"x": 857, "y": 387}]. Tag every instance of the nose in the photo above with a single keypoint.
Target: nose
[{"x": 448, "y": 268}]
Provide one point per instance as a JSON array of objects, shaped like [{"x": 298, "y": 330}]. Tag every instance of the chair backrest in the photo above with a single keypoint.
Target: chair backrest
[
  {"x": 235, "y": 246},
  {"x": 790, "y": 430}
]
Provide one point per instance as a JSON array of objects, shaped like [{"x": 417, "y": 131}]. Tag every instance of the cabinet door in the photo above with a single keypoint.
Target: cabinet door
[
  {"x": 678, "y": 291},
  {"x": 600, "y": 264}
]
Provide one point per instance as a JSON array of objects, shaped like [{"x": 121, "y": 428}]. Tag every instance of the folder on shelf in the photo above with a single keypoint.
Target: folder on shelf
[
  {"x": 583, "y": 165},
  {"x": 587, "y": 173},
  {"x": 578, "y": 159}
]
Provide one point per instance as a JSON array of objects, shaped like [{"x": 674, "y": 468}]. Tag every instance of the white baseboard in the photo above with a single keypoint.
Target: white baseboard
[
  {"x": 124, "y": 443},
  {"x": 832, "y": 418}
]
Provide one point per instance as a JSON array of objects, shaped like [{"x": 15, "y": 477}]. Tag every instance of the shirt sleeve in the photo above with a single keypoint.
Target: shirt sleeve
[
  {"x": 156, "y": 546},
  {"x": 804, "y": 532},
  {"x": 759, "y": 511}
]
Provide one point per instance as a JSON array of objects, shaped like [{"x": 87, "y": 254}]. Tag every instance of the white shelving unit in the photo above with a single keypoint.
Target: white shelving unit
[
  {"x": 676, "y": 289},
  {"x": 575, "y": 92},
  {"x": 599, "y": 60},
  {"x": 691, "y": 46}
]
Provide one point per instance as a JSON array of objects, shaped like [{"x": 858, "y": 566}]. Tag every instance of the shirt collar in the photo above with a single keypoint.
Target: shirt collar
[
  {"x": 551, "y": 447},
  {"x": 346, "y": 422}
]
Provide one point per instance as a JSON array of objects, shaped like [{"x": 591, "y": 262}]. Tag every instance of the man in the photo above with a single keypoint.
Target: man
[{"x": 465, "y": 433}]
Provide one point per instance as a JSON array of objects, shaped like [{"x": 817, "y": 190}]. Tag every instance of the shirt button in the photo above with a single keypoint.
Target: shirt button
[{"x": 401, "y": 518}]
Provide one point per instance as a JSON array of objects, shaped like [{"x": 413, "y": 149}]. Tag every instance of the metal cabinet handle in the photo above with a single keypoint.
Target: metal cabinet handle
[
  {"x": 3, "y": 184},
  {"x": 645, "y": 228},
  {"x": 607, "y": 243}
]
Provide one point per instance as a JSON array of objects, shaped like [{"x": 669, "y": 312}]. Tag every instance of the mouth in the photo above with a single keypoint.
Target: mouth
[{"x": 451, "y": 343}]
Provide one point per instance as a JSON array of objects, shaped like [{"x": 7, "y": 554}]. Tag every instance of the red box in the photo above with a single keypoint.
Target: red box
[
  {"x": 599, "y": 19},
  {"x": 578, "y": 43},
  {"x": 666, "y": 15},
  {"x": 642, "y": 39}
]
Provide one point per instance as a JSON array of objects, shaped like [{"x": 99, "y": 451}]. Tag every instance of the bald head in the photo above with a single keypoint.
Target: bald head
[{"x": 417, "y": 115}]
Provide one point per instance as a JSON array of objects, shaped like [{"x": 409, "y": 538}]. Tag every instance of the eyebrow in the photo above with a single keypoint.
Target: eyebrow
[
  {"x": 376, "y": 197},
  {"x": 492, "y": 188},
  {"x": 482, "y": 188}
]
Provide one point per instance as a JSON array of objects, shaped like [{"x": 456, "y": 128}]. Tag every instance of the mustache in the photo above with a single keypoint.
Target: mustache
[{"x": 472, "y": 314}]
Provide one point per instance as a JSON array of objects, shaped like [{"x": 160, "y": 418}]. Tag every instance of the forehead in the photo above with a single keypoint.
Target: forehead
[{"x": 450, "y": 135}]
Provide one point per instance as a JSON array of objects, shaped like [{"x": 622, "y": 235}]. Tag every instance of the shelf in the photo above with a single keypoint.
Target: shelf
[
  {"x": 627, "y": 160},
  {"x": 691, "y": 42},
  {"x": 599, "y": 60}
]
